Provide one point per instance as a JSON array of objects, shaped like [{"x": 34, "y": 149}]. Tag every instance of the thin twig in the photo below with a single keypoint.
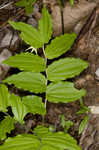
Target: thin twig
[
  {"x": 89, "y": 25},
  {"x": 12, "y": 18},
  {"x": 6, "y": 5}
]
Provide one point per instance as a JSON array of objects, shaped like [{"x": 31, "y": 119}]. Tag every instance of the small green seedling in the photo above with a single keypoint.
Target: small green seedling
[
  {"x": 66, "y": 124},
  {"x": 83, "y": 109},
  {"x": 83, "y": 124}
]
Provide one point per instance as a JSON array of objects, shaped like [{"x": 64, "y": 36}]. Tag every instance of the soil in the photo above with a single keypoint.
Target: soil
[{"x": 85, "y": 22}]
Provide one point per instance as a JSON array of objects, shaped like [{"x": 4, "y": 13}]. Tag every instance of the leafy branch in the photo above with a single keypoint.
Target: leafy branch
[{"x": 52, "y": 84}]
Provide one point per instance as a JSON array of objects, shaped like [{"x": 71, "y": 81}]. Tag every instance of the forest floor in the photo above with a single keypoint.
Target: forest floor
[{"x": 82, "y": 18}]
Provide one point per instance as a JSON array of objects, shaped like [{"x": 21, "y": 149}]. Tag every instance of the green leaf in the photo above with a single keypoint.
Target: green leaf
[
  {"x": 83, "y": 108},
  {"x": 41, "y": 140},
  {"x": 35, "y": 38},
  {"x": 60, "y": 45},
  {"x": 63, "y": 92},
  {"x": 66, "y": 124},
  {"x": 41, "y": 131},
  {"x": 21, "y": 3},
  {"x": 71, "y": 2},
  {"x": 6, "y": 126},
  {"x": 27, "y": 4},
  {"x": 81, "y": 111},
  {"x": 28, "y": 33},
  {"x": 33, "y": 82},
  {"x": 63, "y": 122},
  {"x": 21, "y": 142},
  {"x": 34, "y": 104},
  {"x": 65, "y": 68},
  {"x": 4, "y": 98},
  {"x": 55, "y": 141},
  {"x": 59, "y": 141},
  {"x": 27, "y": 62},
  {"x": 29, "y": 9},
  {"x": 18, "y": 108},
  {"x": 45, "y": 26},
  {"x": 83, "y": 124}
]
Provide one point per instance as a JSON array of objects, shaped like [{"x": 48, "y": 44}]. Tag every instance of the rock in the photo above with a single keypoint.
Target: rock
[
  {"x": 9, "y": 40},
  {"x": 72, "y": 15},
  {"x": 97, "y": 74},
  {"x": 94, "y": 109},
  {"x": 90, "y": 137},
  {"x": 4, "y": 68}
]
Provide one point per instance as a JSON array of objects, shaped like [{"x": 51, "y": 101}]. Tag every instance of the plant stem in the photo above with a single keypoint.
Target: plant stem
[
  {"x": 62, "y": 4},
  {"x": 45, "y": 72},
  {"x": 62, "y": 20}
]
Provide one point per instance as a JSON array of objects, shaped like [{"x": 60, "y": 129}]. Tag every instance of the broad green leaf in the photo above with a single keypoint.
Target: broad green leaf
[
  {"x": 83, "y": 124},
  {"x": 34, "y": 104},
  {"x": 49, "y": 141},
  {"x": 18, "y": 108},
  {"x": 45, "y": 26},
  {"x": 27, "y": 62},
  {"x": 59, "y": 141},
  {"x": 35, "y": 38},
  {"x": 55, "y": 141},
  {"x": 28, "y": 33},
  {"x": 30, "y": 81},
  {"x": 63, "y": 92},
  {"x": 65, "y": 68},
  {"x": 21, "y": 142},
  {"x": 4, "y": 98},
  {"x": 60, "y": 45},
  {"x": 6, "y": 126}
]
